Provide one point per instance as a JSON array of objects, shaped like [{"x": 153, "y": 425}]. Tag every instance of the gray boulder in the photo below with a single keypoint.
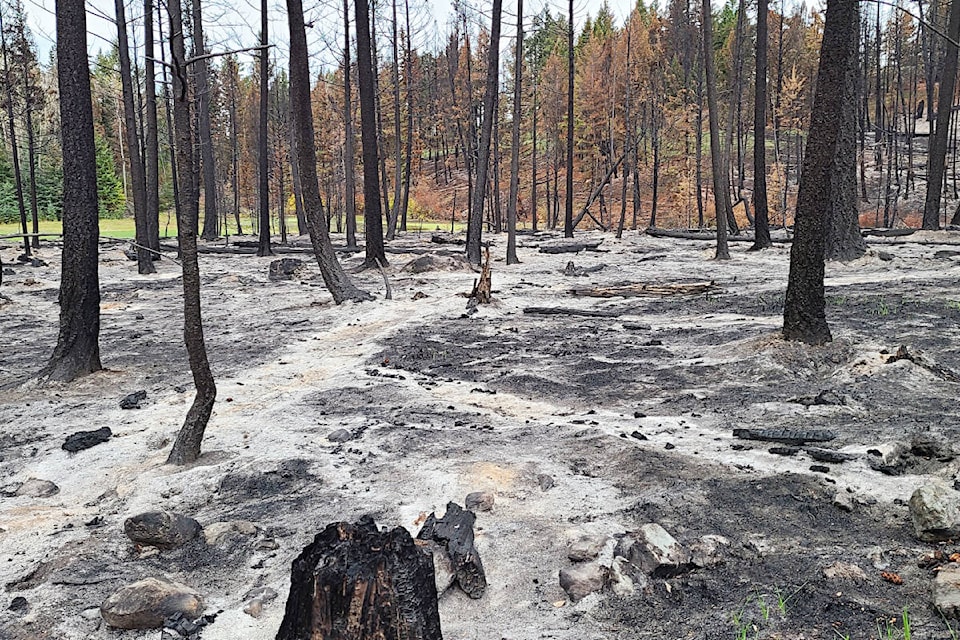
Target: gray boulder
[
  {"x": 935, "y": 512},
  {"x": 583, "y": 579},
  {"x": 147, "y": 603},
  {"x": 161, "y": 529}
]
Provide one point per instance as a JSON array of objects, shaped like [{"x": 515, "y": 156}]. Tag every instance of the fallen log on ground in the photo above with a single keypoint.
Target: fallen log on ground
[
  {"x": 354, "y": 582},
  {"x": 455, "y": 532},
  {"x": 571, "y": 247},
  {"x": 785, "y": 436},
  {"x": 706, "y": 236},
  {"x": 567, "y": 311},
  {"x": 642, "y": 289}
]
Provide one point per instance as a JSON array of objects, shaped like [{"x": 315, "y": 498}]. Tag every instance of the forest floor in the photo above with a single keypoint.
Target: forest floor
[{"x": 441, "y": 403}]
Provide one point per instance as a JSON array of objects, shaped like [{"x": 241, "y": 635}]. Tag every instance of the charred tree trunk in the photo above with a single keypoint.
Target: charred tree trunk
[
  {"x": 138, "y": 181},
  {"x": 568, "y": 212},
  {"x": 354, "y": 582},
  {"x": 804, "y": 317},
  {"x": 12, "y": 134},
  {"x": 721, "y": 194},
  {"x": 263, "y": 177},
  {"x": 186, "y": 449},
  {"x": 408, "y": 153},
  {"x": 938, "y": 139},
  {"x": 843, "y": 240},
  {"x": 350, "y": 198},
  {"x": 475, "y": 221},
  {"x": 77, "y": 352},
  {"x": 372, "y": 219},
  {"x": 515, "y": 142},
  {"x": 151, "y": 143},
  {"x": 762, "y": 223},
  {"x": 202, "y": 92},
  {"x": 337, "y": 281},
  {"x": 31, "y": 159}
]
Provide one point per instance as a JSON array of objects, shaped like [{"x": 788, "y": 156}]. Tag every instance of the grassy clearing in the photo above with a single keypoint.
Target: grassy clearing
[{"x": 124, "y": 227}]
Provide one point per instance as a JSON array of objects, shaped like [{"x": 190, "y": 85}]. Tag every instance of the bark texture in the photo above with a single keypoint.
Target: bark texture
[
  {"x": 354, "y": 582},
  {"x": 336, "y": 279},
  {"x": 186, "y": 449},
  {"x": 804, "y": 316},
  {"x": 77, "y": 352}
]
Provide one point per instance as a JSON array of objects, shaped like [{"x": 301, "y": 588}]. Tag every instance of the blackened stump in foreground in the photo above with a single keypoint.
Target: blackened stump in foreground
[{"x": 355, "y": 582}]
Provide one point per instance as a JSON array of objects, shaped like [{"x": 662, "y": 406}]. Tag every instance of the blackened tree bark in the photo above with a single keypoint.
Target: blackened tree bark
[
  {"x": 202, "y": 91},
  {"x": 337, "y": 281},
  {"x": 721, "y": 192},
  {"x": 151, "y": 145},
  {"x": 263, "y": 177},
  {"x": 138, "y": 185},
  {"x": 186, "y": 449},
  {"x": 804, "y": 316},
  {"x": 373, "y": 225},
  {"x": 761, "y": 238},
  {"x": 568, "y": 211},
  {"x": 475, "y": 221},
  {"x": 843, "y": 240},
  {"x": 350, "y": 197},
  {"x": 397, "y": 150},
  {"x": 515, "y": 142},
  {"x": 12, "y": 134},
  {"x": 408, "y": 152},
  {"x": 938, "y": 140},
  {"x": 77, "y": 352}
]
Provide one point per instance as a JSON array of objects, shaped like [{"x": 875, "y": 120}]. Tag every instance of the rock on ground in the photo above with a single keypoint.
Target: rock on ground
[
  {"x": 935, "y": 512},
  {"x": 586, "y": 548},
  {"x": 655, "y": 551},
  {"x": 161, "y": 529},
  {"x": 479, "y": 501},
  {"x": 147, "y": 603},
  {"x": 582, "y": 580}
]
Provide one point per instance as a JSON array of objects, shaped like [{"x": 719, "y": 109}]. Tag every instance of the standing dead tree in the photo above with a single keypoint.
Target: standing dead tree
[
  {"x": 77, "y": 352},
  {"x": 186, "y": 449}
]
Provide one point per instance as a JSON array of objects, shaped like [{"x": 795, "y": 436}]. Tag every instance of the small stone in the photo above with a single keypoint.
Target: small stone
[
  {"x": 253, "y": 608},
  {"x": 36, "y": 488},
  {"x": 217, "y": 532},
  {"x": 148, "y": 603},
  {"x": 545, "y": 481},
  {"x": 479, "y": 501},
  {"x": 885, "y": 256},
  {"x": 19, "y": 604},
  {"x": 161, "y": 529},
  {"x": 843, "y": 500},
  {"x": 340, "y": 435},
  {"x": 844, "y": 571},
  {"x": 133, "y": 400},
  {"x": 93, "y": 613},
  {"x": 819, "y": 468},
  {"x": 705, "y": 552},
  {"x": 946, "y": 591},
  {"x": 935, "y": 512},
  {"x": 583, "y": 579},
  {"x": 586, "y": 548},
  {"x": 85, "y": 439},
  {"x": 655, "y": 551}
]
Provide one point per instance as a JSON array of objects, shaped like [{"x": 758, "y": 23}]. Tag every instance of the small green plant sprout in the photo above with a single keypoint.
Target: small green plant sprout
[
  {"x": 953, "y": 304},
  {"x": 882, "y": 309}
]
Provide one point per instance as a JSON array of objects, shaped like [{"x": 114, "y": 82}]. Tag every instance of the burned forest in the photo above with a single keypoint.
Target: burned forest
[{"x": 353, "y": 320}]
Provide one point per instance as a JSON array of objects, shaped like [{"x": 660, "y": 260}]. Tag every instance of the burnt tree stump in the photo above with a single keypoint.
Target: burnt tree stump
[
  {"x": 454, "y": 531},
  {"x": 355, "y": 582}
]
